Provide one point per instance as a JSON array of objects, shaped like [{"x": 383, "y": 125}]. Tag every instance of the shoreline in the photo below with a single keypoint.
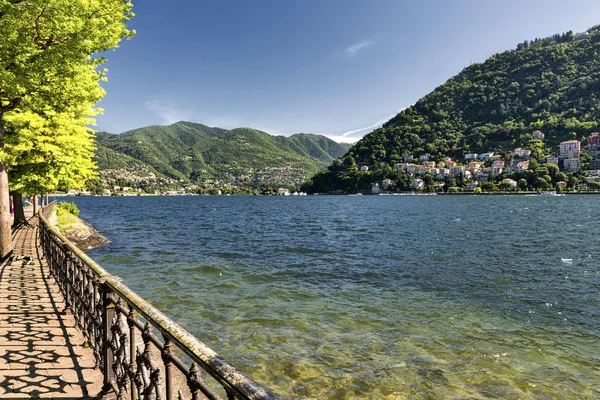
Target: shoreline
[{"x": 82, "y": 233}]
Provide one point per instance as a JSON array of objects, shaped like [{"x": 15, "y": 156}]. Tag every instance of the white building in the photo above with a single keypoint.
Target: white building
[
  {"x": 417, "y": 184},
  {"x": 486, "y": 156},
  {"x": 471, "y": 156},
  {"x": 522, "y": 153},
  {"x": 425, "y": 157},
  {"x": 511, "y": 182},
  {"x": 375, "y": 189},
  {"x": 538, "y": 135},
  {"x": 472, "y": 185},
  {"x": 364, "y": 168}
]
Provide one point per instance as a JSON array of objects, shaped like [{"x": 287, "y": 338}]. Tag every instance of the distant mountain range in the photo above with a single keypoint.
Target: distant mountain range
[{"x": 196, "y": 153}]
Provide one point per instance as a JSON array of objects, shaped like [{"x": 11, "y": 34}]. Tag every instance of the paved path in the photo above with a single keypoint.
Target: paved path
[{"x": 42, "y": 354}]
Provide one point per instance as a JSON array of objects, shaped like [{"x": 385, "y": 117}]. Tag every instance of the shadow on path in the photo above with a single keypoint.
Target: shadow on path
[{"x": 42, "y": 354}]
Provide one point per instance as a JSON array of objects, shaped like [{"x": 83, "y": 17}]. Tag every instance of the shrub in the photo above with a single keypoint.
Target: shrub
[{"x": 68, "y": 208}]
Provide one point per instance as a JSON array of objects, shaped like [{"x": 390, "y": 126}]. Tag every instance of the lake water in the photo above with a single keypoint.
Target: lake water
[{"x": 374, "y": 297}]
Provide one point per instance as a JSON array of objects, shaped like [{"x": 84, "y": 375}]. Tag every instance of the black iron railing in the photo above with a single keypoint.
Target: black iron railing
[{"x": 119, "y": 327}]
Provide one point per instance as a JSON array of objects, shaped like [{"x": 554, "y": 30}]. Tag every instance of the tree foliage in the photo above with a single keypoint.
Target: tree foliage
[{"x": 49, "y": 72}]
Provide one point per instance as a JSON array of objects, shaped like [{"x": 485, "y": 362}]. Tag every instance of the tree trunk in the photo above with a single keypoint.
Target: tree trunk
[
  {"x": 35, "y": 204},
  {"x": 18, "y": 207},
  {"x": 5, "y": 231}
]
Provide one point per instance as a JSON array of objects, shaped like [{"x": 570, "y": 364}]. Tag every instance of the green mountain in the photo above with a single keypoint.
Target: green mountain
[
  {"x": 550, "y": 84},
  {"x": 197, "y": 153}
]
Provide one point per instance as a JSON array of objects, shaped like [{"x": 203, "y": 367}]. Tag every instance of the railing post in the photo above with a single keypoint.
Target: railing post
[
  {"x": 108, "y": 315},
  {"x": 132, "y": 371},
  {"x": 67, "y": 278},
  {"x": 194, "y": 381},
  {"x": 166, "y": 357}
]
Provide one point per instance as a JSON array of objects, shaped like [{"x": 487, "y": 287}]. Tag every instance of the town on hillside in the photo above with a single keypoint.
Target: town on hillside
[
  {"x": 141, "y": 180},
  {"x": 515, "y": 171}
]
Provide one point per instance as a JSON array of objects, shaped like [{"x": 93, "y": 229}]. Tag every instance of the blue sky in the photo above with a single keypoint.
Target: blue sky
[{"x": 332, "y": 67}]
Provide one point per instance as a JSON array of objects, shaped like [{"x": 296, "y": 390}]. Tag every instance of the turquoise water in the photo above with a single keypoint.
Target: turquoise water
[{"x": 374, "y": 297}]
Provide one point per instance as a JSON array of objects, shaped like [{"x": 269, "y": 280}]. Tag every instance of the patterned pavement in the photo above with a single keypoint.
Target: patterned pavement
[{"x": 42, "y": 353}]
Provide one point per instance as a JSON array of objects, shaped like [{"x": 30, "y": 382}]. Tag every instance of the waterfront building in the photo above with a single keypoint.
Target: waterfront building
[
  {"x": 417, "y": 184},
  {"x": 375, "y": 188},
  {"x": 511, "y": 182},
  {"x": 472, "y": 185},
  {"x": 386, "y": 182}
]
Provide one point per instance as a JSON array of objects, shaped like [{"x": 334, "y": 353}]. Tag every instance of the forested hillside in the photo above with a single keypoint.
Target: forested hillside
[
  {"x": 550, "y": 84},
  {"x": 197, "y": 153}
]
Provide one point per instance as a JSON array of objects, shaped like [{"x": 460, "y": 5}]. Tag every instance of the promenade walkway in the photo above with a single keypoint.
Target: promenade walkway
[{"x": 42, "y": 353}]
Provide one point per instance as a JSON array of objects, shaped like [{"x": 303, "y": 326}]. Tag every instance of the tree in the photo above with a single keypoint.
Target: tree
[
  {"x": 522, "y": 184},
  {"x": 488, "y": 186},
  {"x": 506, "y": 186},
  {"x": 541, "y": 183},
  {"x": 43, "y": 44}
]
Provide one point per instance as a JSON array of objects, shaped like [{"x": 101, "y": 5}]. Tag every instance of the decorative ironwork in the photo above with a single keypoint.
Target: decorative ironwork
[{"x": 107, "y": 313}]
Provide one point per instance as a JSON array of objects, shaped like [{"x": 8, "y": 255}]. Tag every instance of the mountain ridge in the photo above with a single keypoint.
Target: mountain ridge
[{"x": 196, "y": 153}]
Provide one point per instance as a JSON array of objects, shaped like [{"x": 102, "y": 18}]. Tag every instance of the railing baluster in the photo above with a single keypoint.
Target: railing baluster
[
  {"x": 131, "y": 323},
  {"x": 194, "y": 381},
  {"x": 166, "y": 354},
  {"x": 109, "y": 315}
]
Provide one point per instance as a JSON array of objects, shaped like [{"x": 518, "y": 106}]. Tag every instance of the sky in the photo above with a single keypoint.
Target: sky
[{"x": 339, "y": 68}]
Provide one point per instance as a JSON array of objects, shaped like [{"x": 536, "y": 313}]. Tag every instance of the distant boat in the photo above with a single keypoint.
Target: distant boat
[
  {"x": 356, "y": 194},
  {"x": 553, "y": 194}
]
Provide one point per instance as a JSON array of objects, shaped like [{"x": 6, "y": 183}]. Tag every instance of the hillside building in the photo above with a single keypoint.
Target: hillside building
[
  {"x": 569, "y": 146},
  {"x": 538, "y": 135}
]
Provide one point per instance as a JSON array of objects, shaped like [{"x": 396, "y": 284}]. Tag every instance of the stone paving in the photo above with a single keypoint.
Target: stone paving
[{"x": 42, "y": 353}]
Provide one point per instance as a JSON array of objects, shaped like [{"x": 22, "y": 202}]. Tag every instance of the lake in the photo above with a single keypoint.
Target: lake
[{"x": 374, "y": 297}]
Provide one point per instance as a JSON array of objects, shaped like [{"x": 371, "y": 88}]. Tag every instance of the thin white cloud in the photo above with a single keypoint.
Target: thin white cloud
[
  {"x": 169, "y": 113},
  {"x": 357, "y": 47},
  {"x": 367, "y": 128},
  {"x": 355, "y": 135}
]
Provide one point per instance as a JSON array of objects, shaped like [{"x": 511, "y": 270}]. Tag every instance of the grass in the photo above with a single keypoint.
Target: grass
[{"x": 66, "y": 215}]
